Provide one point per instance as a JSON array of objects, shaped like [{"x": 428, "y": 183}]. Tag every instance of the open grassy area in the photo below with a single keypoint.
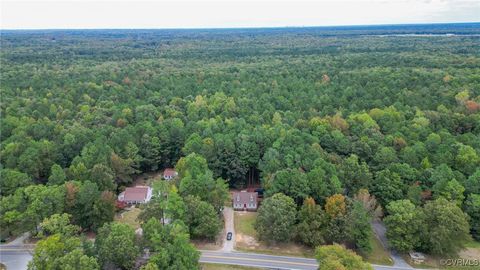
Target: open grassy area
[
  {"x": 214, "y": 266},
  {"x": 473, "y": 244},
  {"x": 471, "y": 252},
  {"x": 379, "y": 255},
  {"x": 129, "y": 217},
  {"x": 246, "y": 239},
  {"x": 244, "y": 223}
]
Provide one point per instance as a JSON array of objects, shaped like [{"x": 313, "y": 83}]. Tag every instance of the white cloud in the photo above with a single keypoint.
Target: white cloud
[{"x": 40, "y": 14}]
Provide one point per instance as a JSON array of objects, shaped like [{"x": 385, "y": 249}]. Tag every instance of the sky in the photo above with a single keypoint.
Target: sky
[{"x": 86, "y": 14}]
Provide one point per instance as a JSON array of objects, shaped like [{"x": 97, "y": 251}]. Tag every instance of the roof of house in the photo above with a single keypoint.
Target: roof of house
[
  {"x": 138, "y": 193},
  {"x": 169, "y": 172},
  {"x": 245, "y": 197}
]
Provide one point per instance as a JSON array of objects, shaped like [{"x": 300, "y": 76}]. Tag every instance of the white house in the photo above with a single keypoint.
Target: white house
[{"x": 134, "y": 195}]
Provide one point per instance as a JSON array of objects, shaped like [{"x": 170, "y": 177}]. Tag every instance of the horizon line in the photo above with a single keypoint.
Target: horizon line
[{"x": 240, "y": 27}]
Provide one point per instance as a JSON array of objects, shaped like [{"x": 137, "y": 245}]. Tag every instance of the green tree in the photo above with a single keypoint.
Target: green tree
[
  {"x": 359, "y": 229},
  {"x": 60, "y": 252},
  {"x": 472, "y": 184},
  {"x": 467, "y": 159},
  {"x": 448, "y": 227},
  {"x": 451, "y": 190},
  {"x": 103, "y": 209},
  {"x": 57, "y": 175},
  {"x": 336, "y": 257},
  {"x": 311, "y": 223},
  {"x": 291, "y": 183},
  {"x": 355, "y": 175},
  {"x": 58, "y": 224},
  {"x": 12, "y": 180},
  {"x": 276, "y": 218},
  {"x": 201, "y": 218},
  {"x": 388, "y": 187},
  {"x": 472, "y": 208},
  {"x": 103, "y": 176},
  {"x": 116, "y": 246},
  {"x": 404, "y": 225},
  {"x": 170, "y": 246}
]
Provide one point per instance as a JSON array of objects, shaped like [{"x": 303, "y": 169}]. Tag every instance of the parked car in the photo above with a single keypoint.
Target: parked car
[
  {"x": 260, "y": 192},
  {"x": 229, "y": 236}
]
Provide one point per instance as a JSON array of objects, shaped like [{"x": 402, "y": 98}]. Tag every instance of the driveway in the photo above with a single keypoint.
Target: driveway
[
  {"x": 381, "y": 232},
  {"x": 229, "y": 227}
]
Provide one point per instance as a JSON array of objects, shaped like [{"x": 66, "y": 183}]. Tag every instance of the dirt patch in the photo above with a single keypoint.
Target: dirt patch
[
  {"x": 470, "y": 253},
  {"x": 207, "y": 245},
  {"x": 246, "y": 240},
  {"x": 145, "y": 179}
]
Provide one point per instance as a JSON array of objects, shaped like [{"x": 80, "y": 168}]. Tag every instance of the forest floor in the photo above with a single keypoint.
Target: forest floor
[
  {"x": 207, "y": 244},
  {"x": 145, "y": 179},
  {"x": 246, "y": 239}
]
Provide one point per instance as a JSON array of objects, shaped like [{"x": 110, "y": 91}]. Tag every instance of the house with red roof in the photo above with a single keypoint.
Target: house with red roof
[
  {"x": 169, "y": 174},
  {"x": 136, "y": 195}
]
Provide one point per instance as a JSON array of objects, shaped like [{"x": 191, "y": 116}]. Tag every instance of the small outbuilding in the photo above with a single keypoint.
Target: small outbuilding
[
  {"x": 169, "y": 174},
  {"x": 245, "y": 201}
]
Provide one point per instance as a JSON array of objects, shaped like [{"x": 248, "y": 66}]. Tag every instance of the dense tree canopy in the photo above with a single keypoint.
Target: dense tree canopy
[{"x": 307, "y": 114}]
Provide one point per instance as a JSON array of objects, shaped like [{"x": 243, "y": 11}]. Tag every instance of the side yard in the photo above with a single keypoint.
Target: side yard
[
  {"x": 246, "y": 239},
  {"x": 129, "y": 217},
  {"x": 471, "y": 253}
]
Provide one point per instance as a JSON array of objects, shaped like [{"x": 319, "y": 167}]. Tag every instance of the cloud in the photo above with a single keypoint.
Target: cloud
[{"x": 40, "y": 14}]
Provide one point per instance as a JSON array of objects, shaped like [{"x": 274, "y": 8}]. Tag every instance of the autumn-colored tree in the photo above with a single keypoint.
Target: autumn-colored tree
[
  {"x": 472, "y": 106},
  {"x": 369, "y": 202},
  {"x": 335, "y": 205}
]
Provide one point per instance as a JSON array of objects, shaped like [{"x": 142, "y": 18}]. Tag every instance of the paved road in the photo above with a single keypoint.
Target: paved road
[
  {"x": 270, "y": 261},
  {"x": 229, "y": 227},
  {"x": 16, "y": 257}
]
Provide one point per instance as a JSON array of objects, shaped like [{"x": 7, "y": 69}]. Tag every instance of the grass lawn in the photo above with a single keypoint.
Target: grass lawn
[
  {"x": 214, "y": 266},
  {"x": 246, "y": 239},
  {"x": 129, "y": 217},
  {"x": 244, "y": 223},
  {"x": 473, "y": 244},
  {"x": 471, "y": 252},
  {"x": 379, "y": 255}
]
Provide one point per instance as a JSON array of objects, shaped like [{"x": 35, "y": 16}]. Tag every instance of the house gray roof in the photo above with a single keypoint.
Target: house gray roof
[{"x": 244, "y": 197}]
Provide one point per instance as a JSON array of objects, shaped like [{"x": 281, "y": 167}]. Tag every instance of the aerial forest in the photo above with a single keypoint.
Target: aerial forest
[{"x": 339, "y": 127}]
